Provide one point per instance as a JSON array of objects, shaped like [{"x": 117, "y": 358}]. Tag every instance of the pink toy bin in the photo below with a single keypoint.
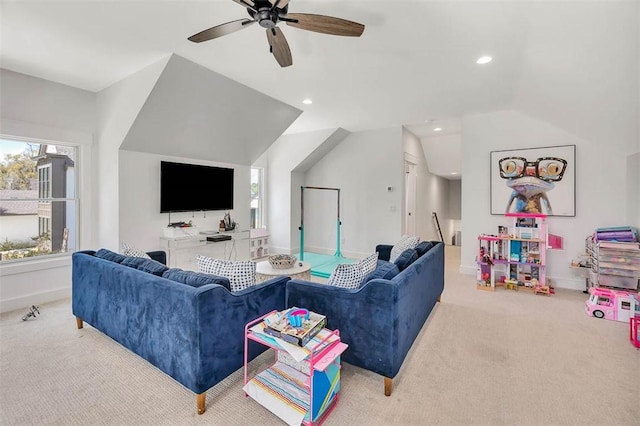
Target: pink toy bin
[{"x": 634, "y": 331}]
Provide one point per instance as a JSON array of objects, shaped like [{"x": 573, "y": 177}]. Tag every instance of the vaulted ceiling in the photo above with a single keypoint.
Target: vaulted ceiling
[{"x": 572, "y": 63}]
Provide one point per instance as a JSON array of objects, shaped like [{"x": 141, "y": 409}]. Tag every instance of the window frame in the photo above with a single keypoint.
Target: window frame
[
  {"x": 77, "y": 148},
  {"x": 261, "y": 209}
]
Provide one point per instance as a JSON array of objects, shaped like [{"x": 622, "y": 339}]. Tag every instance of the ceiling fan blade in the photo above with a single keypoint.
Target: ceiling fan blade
[
  {"x": 279, "y": 47},
  {"x": 246, "y": 3},
  {"x": 220, "y": 30},
  {"x": 325, "y": 24},
  {"x": 281, "y": 4}
]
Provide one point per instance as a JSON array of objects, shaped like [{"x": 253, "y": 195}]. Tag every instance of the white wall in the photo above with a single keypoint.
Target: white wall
[
  {"x": 601, "y": 186},
  {"x": 443, "y": 152},
  {"x": 362, "y": 166},
  {"x": 117, "y": 108},
  {"x": 633, "y": 189},
  {"x": 455, "y": 209},
  {"x": 142, "y": 224},
  {"x": 37, "y": 110},
  {"x": 283, "y": 186},
  {"x": 432, "y": 193},
  {"x": 455, "y": 199}
]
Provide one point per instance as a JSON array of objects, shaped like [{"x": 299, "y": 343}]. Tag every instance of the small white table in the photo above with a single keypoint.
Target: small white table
[{"x": 264, "y": 271}]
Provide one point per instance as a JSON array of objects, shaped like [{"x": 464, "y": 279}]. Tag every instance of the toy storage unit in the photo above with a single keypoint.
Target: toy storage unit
[
  {"x": 634, "y": 331},
  {"x": 614, "y": 264},
  {"x": 303, "y": 384},
  {"x": 515, "y": 258},
  {"x": 526, "y": 250},
  {"x": 489, "y": 249}
]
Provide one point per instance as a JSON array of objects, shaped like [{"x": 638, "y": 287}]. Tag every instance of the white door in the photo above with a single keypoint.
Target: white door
[
  {"x": 410, "y": 198},
  {"x": 625, "y": 309}
]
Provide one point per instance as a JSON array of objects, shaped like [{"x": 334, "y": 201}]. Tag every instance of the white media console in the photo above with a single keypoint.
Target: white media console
[{"x": 184, "y": 244}]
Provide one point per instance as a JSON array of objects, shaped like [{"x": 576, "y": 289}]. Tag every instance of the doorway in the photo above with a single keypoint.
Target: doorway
[{"x": 410, "y": 186}]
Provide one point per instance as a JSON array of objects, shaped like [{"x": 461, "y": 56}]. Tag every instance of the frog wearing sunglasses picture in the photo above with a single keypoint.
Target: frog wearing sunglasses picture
[{"x": 530, "y": 181}]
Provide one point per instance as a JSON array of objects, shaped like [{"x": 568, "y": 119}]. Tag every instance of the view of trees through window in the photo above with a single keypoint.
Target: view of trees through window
[{"x": 38, "y": 200}]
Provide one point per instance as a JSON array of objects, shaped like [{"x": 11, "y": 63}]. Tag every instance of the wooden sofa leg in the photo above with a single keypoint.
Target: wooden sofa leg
[
  {"x": 439, "y": 299},
  {"x": 200, "y": 401},
  {"x": 388, "y": 384},
  {"x": 79, "y": 323}
]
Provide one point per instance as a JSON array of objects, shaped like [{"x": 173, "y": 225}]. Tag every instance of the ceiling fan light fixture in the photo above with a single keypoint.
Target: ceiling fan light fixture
[
  {"x": 484, "y": 60},
  {"x": 268, "y": 13}
]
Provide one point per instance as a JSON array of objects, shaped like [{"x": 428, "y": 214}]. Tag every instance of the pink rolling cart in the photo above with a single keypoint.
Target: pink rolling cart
[{"x": 302, "y": 386}]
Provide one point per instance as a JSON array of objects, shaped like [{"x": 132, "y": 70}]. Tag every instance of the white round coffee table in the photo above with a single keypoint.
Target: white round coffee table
[{"x": 264, "y": 271}]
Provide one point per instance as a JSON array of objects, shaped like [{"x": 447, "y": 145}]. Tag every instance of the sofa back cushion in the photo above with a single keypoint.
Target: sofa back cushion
[
  {"x": 146, "y": 265},
  {"x": 406, "y": 258},
  {"x": 385, "y": 270},
  {"x": 346, "y": 275},
  {"x": 110, "y": 255},
  {"x": 128, "y": 250},
  {"x": 195, "y": 279},
  {"x": 423, "y": 247},
  {"x": 241, "y": 274},
  {"x": 406, "y": 242},
  {"x": 368, "y": 264}
]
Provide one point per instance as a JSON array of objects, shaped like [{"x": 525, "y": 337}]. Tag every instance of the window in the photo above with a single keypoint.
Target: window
[
  {"x": 38, "y": 201},
  {"x": 257, "y": 198}
]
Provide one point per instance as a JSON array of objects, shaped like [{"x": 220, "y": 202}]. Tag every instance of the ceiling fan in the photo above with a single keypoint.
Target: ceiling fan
[{"x": 267, "y": 13}]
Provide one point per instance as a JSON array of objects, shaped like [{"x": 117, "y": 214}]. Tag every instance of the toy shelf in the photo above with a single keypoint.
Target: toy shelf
[
  {"x": 516, "y": 258},
  {"x": 302, "y": 386}
]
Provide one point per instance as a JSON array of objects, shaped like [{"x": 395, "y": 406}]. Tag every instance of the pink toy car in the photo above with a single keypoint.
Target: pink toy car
[{"x": 617, "y": 305}]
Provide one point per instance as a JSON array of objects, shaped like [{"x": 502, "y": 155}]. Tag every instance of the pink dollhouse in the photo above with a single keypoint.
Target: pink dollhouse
[{"x": 617, "y": 305}]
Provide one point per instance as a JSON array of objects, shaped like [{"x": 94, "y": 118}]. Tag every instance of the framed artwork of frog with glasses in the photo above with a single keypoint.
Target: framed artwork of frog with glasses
[{"x": 534, "y": 180}]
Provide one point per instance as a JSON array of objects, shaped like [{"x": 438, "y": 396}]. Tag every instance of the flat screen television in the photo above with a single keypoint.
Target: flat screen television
[{"x": 192, "y": 187}]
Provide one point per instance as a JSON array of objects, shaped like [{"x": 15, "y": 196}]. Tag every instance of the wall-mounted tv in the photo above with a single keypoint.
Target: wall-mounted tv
[{"x": 192, "y": 187}]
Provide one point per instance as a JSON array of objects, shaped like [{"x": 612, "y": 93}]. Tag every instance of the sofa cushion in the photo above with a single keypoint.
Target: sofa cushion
[
  {"x": 346, "y": 275},
  {"x": 369, "y": 264},
  {"x": 195, "y": 279},
  {"x": 385, "y": 270},
  {"x": 127, "y": 250},
  {"x": 110, "y": 255},
  {"x": 406, "y": 242},
  {"x": 423, "y": 247},
  {"x": 241, "y": 274},
  {"x": 406, "y": 258},
  {"x": 146, "y": 265}
]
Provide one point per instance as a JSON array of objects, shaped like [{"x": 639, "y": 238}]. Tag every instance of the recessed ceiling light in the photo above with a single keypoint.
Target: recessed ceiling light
[
  {"x": 307, "y": 102},
  {"x": 437, "y": 129},
  {"x": 454, "y": 173},
  {"x": 484, "y": 60}
]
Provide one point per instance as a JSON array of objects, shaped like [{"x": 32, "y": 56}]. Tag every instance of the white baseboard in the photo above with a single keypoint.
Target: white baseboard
[{"x": 22, "y": 302}]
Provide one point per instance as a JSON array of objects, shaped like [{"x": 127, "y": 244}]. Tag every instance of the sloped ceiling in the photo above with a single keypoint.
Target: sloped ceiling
[
  {"x": 194, "y": 112},
  {"x": 572, "y": 63}
]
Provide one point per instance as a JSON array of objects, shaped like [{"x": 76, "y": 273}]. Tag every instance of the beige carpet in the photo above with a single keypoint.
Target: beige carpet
[{"x": 502, "y": 358}]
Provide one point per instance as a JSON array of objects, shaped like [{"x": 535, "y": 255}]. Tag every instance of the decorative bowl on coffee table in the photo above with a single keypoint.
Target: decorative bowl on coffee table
[{"x": 282, "y": 261}]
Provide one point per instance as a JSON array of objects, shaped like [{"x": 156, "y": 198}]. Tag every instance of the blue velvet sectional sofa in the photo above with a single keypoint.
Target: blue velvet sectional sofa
[
  {"x": 381, "y": 319},
  {"x": 192, "y": 331}
]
